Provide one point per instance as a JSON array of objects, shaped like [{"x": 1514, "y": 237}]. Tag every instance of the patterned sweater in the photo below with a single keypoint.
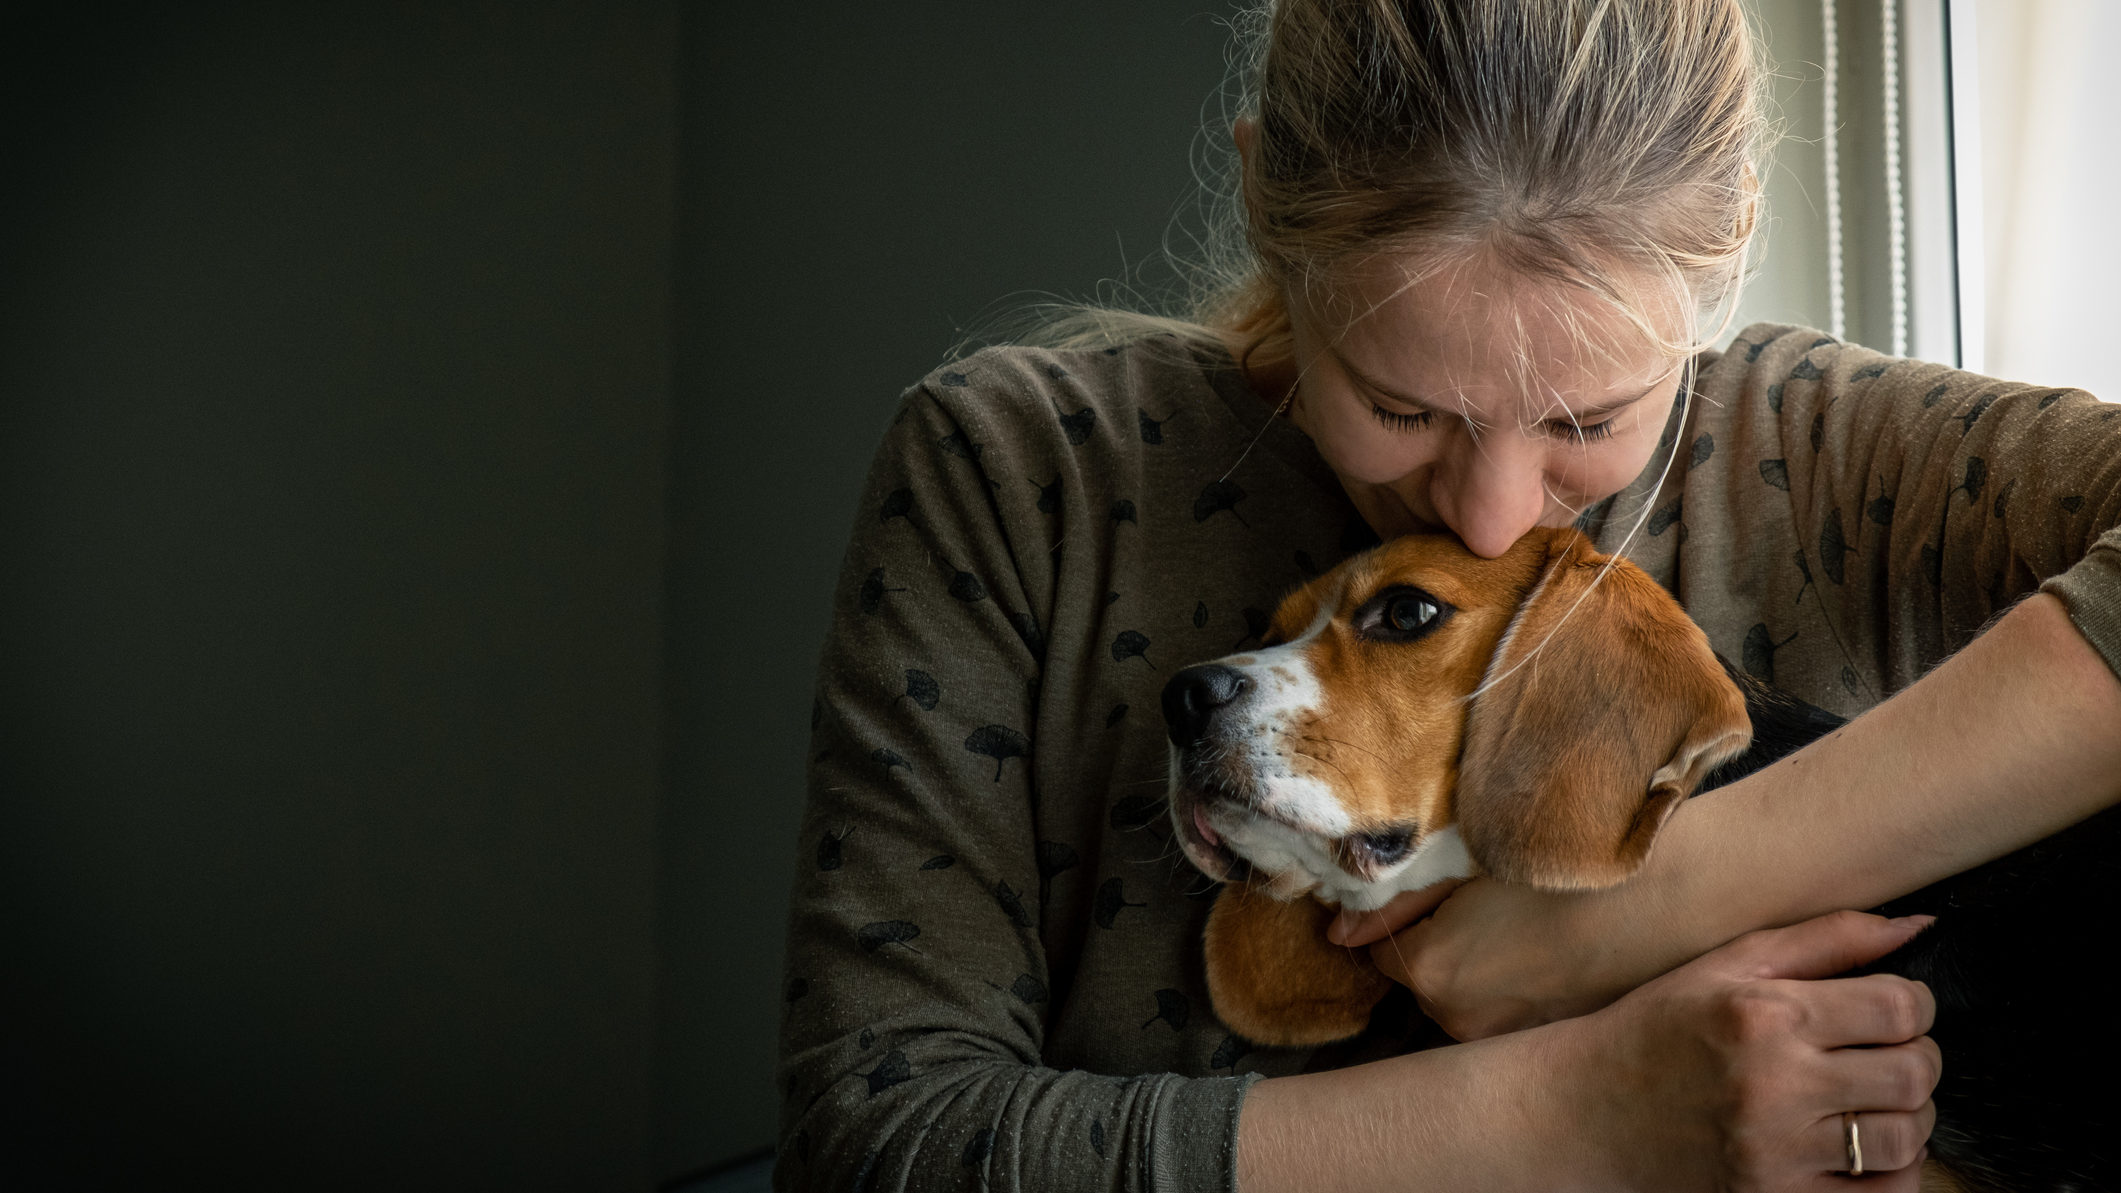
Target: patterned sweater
[{"x": 993, "y": 968}]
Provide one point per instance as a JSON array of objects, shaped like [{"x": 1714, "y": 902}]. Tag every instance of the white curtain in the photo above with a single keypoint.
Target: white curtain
[{"x": 2050, "y": 95}]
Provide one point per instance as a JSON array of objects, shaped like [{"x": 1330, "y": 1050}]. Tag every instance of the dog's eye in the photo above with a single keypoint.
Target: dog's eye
[
  {"x": 1386, "y": 847},
  {"x": 1410, "y": 613},
  {"x": 1400, "y": 614}
]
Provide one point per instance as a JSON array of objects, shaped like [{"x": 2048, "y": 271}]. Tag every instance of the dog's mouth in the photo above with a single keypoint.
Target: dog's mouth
[
  {"x": 1299, "y": 857},
  {"x": 1202, "y": 845}
]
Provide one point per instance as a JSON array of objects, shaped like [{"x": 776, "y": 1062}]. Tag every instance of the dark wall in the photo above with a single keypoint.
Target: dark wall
[
  {"x": 427, "y": 437},
  {"x": 335, "y": 363},
  {"x": 860, "y": 182}
]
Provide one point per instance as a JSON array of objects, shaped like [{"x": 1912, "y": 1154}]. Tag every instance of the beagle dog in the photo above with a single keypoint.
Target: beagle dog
[{"x": 1420, "y": 713}]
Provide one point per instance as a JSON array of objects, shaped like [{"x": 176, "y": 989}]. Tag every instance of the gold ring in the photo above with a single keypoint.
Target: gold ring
[{"x": 1854, "y": 1138}]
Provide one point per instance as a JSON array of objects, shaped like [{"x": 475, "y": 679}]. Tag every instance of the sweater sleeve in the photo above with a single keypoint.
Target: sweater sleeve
[
  {"x": 1937, "y": 497},
  {"x": 917, "y": 985}
]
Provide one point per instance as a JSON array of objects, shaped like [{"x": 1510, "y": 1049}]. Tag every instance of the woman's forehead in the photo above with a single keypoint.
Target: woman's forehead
[{"x": 1485, "y": 337}]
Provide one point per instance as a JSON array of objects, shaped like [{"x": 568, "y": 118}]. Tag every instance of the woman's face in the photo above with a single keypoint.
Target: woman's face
[{"x": 1476, "y": 400}]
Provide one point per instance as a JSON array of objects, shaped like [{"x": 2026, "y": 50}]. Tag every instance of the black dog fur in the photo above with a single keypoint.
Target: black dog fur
[{"x": 2030, "y": 1100}]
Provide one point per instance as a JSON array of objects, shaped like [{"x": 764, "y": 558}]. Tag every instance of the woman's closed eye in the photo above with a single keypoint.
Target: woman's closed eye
[{"x": 1395, "y": 420}]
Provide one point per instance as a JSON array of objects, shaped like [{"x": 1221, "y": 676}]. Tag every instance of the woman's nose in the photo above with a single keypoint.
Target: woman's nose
[{"x": 1490, "y": 493}]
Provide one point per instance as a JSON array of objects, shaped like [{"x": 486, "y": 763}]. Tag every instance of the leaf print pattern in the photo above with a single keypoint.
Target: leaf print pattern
[
  {"x": 1026, "y": 627},
  {"x": 1152, "y": 429},
  {"x": 873, "y": 590},
  {"x": 1054, "y": 858},
  {"x": 1000, "y": 743},
  {"x": 830, "y": 856},
  {"x": 1976, "y": 478},
  {"x": 1111, "y": 900},
  {"x": 1218, "y": 496},
  {"x": 1833, "y": 547},
  {"x": 958, "y": 444},
  {"x": 1759, "y": 653},
  {"x": 877, "y": 935},
  {"x": 890, "y": 1071},
  {"x": 1880, "y": 509},
  {"x": 1049, "y": 495},
  {"x": 1172, "y": 1007},
  {"x": 966, "y": 587},
  {"x": 1077, "y": 426},
  {"x": 1704, "y": 447},
  {"x": 1012, "y": 905},
  {"x": 1663, "y": 519},
  {"x": 1973, "y": 415},
  {"x": 922, "y": 689}
]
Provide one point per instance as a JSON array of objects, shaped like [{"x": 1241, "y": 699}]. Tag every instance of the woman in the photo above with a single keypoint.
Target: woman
[{"x": 1482, "y": 242}]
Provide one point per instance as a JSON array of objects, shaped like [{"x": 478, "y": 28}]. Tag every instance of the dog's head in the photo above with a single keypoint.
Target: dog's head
[{"x": 1421, "y": 713}]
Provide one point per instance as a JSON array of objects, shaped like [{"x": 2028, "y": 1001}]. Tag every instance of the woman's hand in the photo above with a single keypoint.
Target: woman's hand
[
  {"x": 1485, "y": 957},
  {"x": 1734, "y": 1071}
]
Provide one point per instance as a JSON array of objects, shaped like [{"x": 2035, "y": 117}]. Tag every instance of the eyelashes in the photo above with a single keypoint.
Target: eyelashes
[{"x": 1394, "y": 420}]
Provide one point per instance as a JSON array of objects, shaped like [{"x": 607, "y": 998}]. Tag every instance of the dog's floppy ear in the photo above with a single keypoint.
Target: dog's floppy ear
[{"x": 1602, "y": 709}]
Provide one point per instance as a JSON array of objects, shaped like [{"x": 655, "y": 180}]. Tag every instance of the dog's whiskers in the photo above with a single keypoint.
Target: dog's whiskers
[{"x": 1351, "y": 745}]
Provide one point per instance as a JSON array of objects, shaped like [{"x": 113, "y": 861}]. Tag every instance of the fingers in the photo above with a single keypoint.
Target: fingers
[
  {"x": 1899, "y": 1078},
  {"x": 1358, "y": 928},
  {"x": 1878, "y": 1008},
  {"x": 1891, "y": 1142},
  {"x": 1822, "y": 946}
]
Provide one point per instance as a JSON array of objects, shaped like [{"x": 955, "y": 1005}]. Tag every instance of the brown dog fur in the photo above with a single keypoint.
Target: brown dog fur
[{"x": 1605, "y": 711}]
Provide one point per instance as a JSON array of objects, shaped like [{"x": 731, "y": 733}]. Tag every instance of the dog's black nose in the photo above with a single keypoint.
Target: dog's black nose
[{"x": 1193, "y": 695}]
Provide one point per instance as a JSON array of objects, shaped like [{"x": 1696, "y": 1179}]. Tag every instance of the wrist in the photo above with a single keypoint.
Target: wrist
[
  {"x": 1676, "y": 908},
  {"x": 1500, "y": 1114}
]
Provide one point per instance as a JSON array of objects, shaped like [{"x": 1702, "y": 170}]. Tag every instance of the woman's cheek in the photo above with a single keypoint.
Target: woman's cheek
[
  {"x": 1598, "y": 475},
  {"x": 1364, "y": 452}
]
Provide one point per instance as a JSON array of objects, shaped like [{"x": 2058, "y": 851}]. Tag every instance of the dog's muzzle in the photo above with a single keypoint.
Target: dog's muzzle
[{"x": 1191, "y": 702}]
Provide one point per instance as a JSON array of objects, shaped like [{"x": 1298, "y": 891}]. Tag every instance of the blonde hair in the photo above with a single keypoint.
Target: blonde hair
[{"x": 1594, "y": 143}]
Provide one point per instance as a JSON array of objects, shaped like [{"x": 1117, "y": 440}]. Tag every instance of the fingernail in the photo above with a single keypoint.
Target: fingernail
[{"x": 1919, "y": 921}]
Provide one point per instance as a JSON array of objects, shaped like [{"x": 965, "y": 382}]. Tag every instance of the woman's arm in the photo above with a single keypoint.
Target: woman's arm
[
  {"x": 2013, "y": 738},
  {"x": 1725, "y": 1074},
  {"x": 919, "y": 987}
]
